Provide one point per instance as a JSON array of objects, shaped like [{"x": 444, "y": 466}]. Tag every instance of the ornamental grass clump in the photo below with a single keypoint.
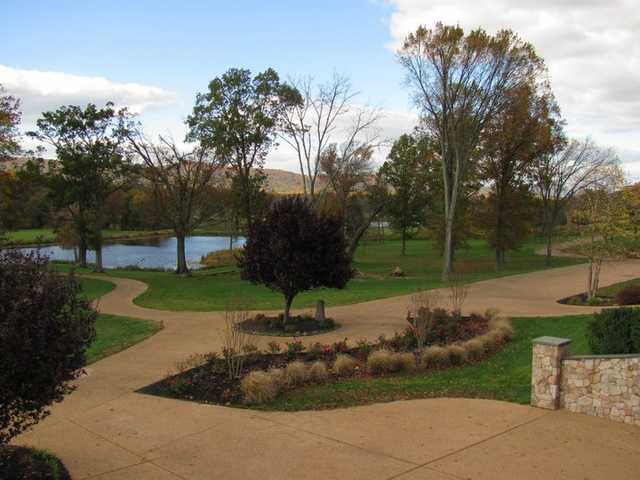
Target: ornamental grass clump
[
  {"x": 457, "y": 354},
  {"x": 296, "y": 373},
  {"x": 344, "y": 365},
  {"x": 404, "y": 362},
  {"x": 381, "y": 361},
  {"x": 318, "y": 372},
  {"x": 259, "y": 387},
  {"x": 434, "y": 357},
  {"x": 503, "y": 326},
  {"x": 475, "y": 349}
]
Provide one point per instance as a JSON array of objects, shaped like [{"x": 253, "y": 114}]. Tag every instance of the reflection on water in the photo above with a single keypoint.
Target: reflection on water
[{"x": 158, "y": 252}]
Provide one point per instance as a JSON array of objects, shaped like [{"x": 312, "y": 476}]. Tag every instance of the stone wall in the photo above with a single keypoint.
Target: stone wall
[
  {"x": 599, "y": 385},
  {"x": 603, "y": 386}
]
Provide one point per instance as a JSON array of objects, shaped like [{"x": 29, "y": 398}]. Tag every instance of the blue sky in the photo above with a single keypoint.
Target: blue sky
[
  {"x": 180, "y": 46},
  {"x": 155, "y": 55}
]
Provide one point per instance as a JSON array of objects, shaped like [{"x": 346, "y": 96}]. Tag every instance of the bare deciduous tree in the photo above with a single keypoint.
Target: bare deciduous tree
[
  {"x": 312, "y": 125},
  {"x": 181, "y": 183},
  {"x": 349, "y": 169},
  {"x": 560, "y": 176},
  {"x": 460, "y": 83}
]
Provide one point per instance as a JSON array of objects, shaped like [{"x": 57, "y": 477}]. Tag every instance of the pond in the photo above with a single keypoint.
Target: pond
[{"x": 159, "y": 252}]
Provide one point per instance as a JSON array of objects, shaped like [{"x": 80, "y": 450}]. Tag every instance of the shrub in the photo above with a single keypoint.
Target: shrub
[
  {"x": 629, "y": 295},
  {"x": 259, "y": 387},
  {"x": 611, "y": 331},
  {"x": 381, "y": 361},
  {"x": 344, "y": 365},
  {"x": 273, "y": 347},
  {"x": 296, "y": 373},
  {"x": 295, "y": 347},
  {"x": 24, "y": 463},
  {"x": 434, "y": 356},
  {"x": 45, "y": 328},
  {"x": 221, "y": 258},
  {"x": 318, "y": 372},
  {"x": 492, "y": 340}
]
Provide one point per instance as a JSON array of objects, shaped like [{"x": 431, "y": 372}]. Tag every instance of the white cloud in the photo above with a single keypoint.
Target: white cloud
[
  {"x": 41, "y": 91},
  {"x": 591, "y": 47}
]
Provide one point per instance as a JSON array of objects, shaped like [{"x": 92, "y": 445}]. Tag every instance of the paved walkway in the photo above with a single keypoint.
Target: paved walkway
[{"x": 106, "y": 430}]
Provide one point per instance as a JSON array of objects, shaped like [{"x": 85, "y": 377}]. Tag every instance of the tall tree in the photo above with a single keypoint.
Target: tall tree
[
  {"x": 528, "y": 128},
  {"x": 91, "y": 165},
  {"x": 9, "y": 120},
  {"x": 314, "y": 123},
  {"x": 239, "y": 117},
  {"x": 406, "y": 172},
  {"x": 182, "y": 183},
  {"x": 460, "y": 83},
  {"x": 559, "y": 176}
]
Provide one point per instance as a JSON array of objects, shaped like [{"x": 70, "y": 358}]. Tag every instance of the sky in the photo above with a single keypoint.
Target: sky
[{"x": 154, "y": 56}]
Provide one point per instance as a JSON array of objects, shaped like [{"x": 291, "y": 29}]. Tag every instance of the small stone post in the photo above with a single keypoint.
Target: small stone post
[
  {"x": 320, "y": 317},
  {"x": 548, "y": 353}
]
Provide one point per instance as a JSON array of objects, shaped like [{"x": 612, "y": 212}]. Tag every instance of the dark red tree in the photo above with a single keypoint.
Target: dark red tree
[{"x": 293, "y": 249}]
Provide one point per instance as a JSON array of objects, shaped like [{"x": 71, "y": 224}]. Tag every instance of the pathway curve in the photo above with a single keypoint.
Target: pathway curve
[{"x": 106, "y": 430}]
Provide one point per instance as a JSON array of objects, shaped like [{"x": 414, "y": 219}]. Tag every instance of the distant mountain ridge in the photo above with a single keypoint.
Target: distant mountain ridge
[{"x": 278, "y": 181}]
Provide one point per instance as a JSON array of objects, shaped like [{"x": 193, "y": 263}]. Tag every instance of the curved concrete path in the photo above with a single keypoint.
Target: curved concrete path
[{"x": 106, "y": 430}]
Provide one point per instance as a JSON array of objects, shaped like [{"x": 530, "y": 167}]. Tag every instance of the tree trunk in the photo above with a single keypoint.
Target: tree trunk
[
  {"x": 98, "y": 267},
  {"x": 287, "y": 310},
  {"x": 447, "y": 268},
  {"x": 549, "y": 246},
  {"x": 82, "y": 252},
  {"x": 404, "y": 240},
  {"x": 182, "y": 268}
]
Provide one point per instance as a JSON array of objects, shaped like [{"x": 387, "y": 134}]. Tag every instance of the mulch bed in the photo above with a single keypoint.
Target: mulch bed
[
  {"x": 22, "y": 463},
  {"x": 303, "y": 325},
  {"x": 581, "y": 300},
  {"x": 210, "y": 383}
]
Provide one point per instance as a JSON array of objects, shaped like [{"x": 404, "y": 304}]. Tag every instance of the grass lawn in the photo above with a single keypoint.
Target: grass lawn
[
  {"x": 47, "y": 235},
  {"x": 504, "y": 376},
  {"x": 211, "y": 289},
  {"x": 612, "y": 290},
  {"x": 93, "y": 288},
  {"x": 113, "y": 333}
]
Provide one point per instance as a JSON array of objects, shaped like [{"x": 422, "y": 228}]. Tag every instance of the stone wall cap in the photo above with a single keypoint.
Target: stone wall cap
[
  {"x": 552, "y": 341},
  {"x": 602, "y": 357}
]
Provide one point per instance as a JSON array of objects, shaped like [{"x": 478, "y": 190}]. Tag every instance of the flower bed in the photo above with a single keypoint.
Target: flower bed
[
  {"x": 301, "y": 325},
  {"x": 264, "y": 375}
]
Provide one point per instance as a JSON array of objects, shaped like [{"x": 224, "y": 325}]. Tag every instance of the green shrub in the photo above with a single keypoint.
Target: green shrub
[
  {"x": 612, "y": 331},
  {"x": 629, "y": 295}
]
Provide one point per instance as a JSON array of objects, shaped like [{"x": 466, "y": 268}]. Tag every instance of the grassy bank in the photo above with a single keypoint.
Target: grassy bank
[
  {"x": 212, "y": 289},
  {"x": 113, "y": 333},
  {"x": 504, "y": 376}
]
